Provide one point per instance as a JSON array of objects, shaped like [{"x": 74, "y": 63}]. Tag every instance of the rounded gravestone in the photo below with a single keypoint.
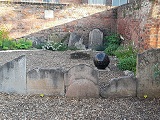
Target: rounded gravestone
[
  {"x": 101, "y": 60},
  {"x": 83, "y": 88}
]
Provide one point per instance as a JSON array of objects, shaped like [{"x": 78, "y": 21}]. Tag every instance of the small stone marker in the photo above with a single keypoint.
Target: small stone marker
[
  {"x": 74, "y": 37},
  {"x": 48, "y": 14},
  {"x": 95, "y": 38},
  {"x": 76, "y": 40}
]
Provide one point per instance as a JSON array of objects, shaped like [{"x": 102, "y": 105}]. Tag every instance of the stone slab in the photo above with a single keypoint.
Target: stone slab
[
  {"x": 81, "y": 71},
  {"x": 120, "y": 87},
  {"x": 83, "y": 88},
  {"x": 45, "y": 81},
  {"x": 147, "y": 84},
  {"x": 95, "y": 38},
  {"x": 13, "y": 76}
]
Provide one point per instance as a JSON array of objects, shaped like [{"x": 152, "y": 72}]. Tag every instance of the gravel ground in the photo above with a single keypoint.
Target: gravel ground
[
  {"x": 27, "y": 107},
  {"x": 18, "y": 107}
]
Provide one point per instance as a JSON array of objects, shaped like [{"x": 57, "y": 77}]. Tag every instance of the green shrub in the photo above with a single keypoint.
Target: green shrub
[
  {"x": 128, "y": 63},
  {"x": 126, "y": 58},
  {"x": 111, "y": 49},
  {"x": 5, "y": 43},
  {"x": 23, "y": 44},
  {"x": 0, "y": 43},
  {"x": 111, "y": 43},
  {"x": 40, "y": 45},
  {"x": 124, "y": 52},
  {"x": 8, "y": 44},
  {"x": 112, "y": 39}
]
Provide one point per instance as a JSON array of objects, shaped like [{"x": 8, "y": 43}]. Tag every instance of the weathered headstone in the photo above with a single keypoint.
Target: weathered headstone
[
  {"x": 79, "y": 45},
  {"x": 76, "y": 41},
  {"x": 74, "y": 37},
  {"x": 83, "y": 88},
  {"x": 13, "y": 76},
  {"x": 95, "y": 38},
  {"x": 148, "y": 73},
  {"x": 120, "y": 87},
  {"x": 80, "y": 82},
  {"x": 46, "y": 81}
]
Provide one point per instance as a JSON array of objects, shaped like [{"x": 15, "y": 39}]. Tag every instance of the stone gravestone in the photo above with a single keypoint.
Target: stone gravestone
[
  {"x": 95, "y": 38},
  {"x": 120, "y": 87},
  {"x": 148, "y": 73},
  {"x": 75, "y": 40},
  {"x": 81, "y": 81},
  {"x": 46, "y": 81},
  {"x": 13, "y": 76}
]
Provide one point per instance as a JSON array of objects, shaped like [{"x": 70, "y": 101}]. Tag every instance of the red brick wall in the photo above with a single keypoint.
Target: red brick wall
[{"x": 139, "y": 22}]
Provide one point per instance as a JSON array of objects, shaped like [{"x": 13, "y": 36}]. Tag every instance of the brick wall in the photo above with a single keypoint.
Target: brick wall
[
  {"x": 139, "y": 22},
  {"x": 27, "y": 20}
]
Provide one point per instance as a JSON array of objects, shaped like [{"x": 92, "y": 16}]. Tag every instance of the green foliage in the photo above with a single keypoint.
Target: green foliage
[
  {"x": 111, "y": 49},
  {"x": 128, "y": 63},
  {"x": 111, "y": 42},
  {"x": 23, "y": 44},
  {"x": 125, "y": 52},
  {"x": 8, "y": 44},
  {"x": 55, "y": 46},
  {"x": 0, "y": 43},
  {"x": 40, "y": 45},
  {"x": 127, "y": 57},
  {"x": 112, "y": 39},
  {"x": 156, "y": 71}
]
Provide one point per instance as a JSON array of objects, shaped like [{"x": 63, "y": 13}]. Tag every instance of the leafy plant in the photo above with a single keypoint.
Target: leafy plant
[
  {"x": 125, "y": 52},
  {"x": 110, "y": 49},
  {"x": 112, "y": 39},
  {"x": 111, "y": 42},
  {"x": 40, "y": 45},
  {"x": 55, "y": 46},
  {"x": 127, "y": 56},
  {"x": 0, "y": 43},
  {"x": 128, "y": 63},
  {"x": 23, "y": 44},
  {"x": 8, "y": 44}
]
